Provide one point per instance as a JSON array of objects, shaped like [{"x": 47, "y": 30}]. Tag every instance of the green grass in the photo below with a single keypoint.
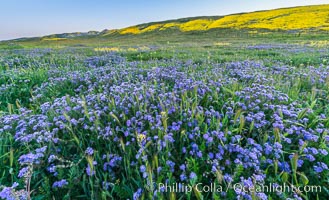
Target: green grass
[
  {"x": 25, "y": 74},
  {"x": 199, "y": 51}
]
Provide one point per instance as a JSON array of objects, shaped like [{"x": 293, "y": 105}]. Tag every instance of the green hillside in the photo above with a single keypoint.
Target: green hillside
[{"x": 267, "y": 24}]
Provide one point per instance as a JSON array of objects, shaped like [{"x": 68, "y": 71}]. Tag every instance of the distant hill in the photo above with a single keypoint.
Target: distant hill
[
  {"x": 297, "y": 18},
  {"x": 289, "y": 20}
]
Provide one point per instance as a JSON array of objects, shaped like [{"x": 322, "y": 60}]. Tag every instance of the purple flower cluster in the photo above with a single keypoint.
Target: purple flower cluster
[
  {"x": 174, "y": 121},
  {"x": 60, "y": 184}
]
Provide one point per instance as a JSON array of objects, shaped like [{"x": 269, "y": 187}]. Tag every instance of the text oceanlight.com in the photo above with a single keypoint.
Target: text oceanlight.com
[{"x": 238, "y": 187}]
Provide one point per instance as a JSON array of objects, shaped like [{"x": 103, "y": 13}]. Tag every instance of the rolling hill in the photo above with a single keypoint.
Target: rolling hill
[
  {"x": 286, "y": 20},
  {"x": 298, "y": 18}
]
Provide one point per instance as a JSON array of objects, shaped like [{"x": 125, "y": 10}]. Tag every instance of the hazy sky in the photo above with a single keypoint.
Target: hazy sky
[{"x": 27, "y": 18}]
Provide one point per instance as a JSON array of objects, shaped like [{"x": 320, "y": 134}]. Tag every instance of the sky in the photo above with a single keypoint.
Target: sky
[{"x": 30, "y": 18}]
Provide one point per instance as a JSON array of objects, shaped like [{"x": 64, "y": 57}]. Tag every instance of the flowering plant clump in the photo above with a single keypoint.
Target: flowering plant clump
[{"x": 109, "y": 128}]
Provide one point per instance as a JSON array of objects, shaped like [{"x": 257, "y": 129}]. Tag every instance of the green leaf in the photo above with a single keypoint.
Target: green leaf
[
  {"x": 284, "y": 177},
  {"x": 197, "y": 193},
  {"x": 304, "y": 178},
  {"x": 302, "y": 113}
]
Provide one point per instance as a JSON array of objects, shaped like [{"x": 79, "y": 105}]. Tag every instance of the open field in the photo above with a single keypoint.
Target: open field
[
  {"x": 106, "y": 122},
  {"x": 118, "y": 116}
]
